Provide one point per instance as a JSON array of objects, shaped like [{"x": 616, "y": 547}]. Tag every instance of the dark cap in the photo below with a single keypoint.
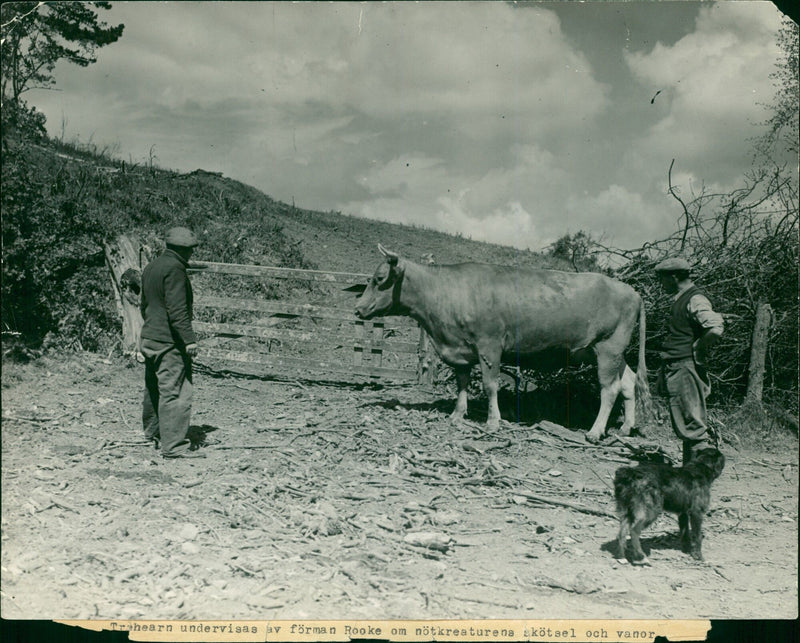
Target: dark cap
[
  {"x": 182, "y": 237},
  {"x": 673, "y": 264}
]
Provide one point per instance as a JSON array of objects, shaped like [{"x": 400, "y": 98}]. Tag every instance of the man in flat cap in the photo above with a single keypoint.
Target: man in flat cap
[
  {"x": 168, "y": 344},
  {"x": 692, "y": 327}
]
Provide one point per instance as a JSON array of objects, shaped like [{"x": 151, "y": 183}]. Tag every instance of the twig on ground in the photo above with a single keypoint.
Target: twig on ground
[
  {"x": 563, "y": 503},
  {"x": 20, "y": 418},
  {"x": 557, "y": 430},
  {"x": 716, "y": 569},
  {"x": 600, "y": 479},
  {"x": 125, "y": 420},
  {"x": 470, "y": 599},
  {"x": 245, "y": 446}
]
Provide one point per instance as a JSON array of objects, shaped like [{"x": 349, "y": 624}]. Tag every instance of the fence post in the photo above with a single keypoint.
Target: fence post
[
  {"x": 425, "y": 366},
  {"x": 123, "y": 257},
  {"x": 758, "y": 351},
  {"x": 376, "y": 354},
  {"x": 358, "y": 348}
]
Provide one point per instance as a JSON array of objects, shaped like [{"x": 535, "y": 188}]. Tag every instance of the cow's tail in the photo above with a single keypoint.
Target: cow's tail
[{"x": 644, "y": 403}]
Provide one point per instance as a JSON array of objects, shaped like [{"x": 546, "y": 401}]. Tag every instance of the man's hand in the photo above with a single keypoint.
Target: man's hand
[
  {"x": 700, "y": 347},
  {"x": 191, "y": 350}
]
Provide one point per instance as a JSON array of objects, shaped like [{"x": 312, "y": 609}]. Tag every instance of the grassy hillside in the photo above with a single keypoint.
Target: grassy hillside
[
  {"x": 340, "y": 242},
  {"x": 61, "y": 204}
]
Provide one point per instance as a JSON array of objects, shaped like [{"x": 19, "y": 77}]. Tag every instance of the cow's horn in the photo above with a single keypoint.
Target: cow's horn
[{"x": 392, "y": 257}]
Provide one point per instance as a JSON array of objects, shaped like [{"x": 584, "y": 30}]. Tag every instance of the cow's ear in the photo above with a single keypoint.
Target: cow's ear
[{"x": 391, "y": 257}]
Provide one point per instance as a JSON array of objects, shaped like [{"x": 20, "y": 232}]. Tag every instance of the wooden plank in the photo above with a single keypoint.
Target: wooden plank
[
  {"x": 376, "y": 354},
  {"x": 358, "y": 347},
  {"x": 278, "y": 272},
  {"x": 307, "y": 337},
  {"x": 333, "y": 366},
  {"x": 301, "y": 310}
]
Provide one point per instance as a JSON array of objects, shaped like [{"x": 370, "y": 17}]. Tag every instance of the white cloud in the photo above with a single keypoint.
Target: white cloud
[
  {"x": 481, "y": 118},
  {"x": 617, "y": 211},
  {"x": 714, "y": 83},
  {"x": 510, "y": 206}
]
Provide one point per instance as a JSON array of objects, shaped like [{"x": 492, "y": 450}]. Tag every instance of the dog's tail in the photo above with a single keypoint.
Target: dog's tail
[{"x": 644, "y": 402}]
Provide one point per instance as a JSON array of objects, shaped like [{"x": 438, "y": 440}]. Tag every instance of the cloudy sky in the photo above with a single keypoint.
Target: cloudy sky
[{"x": 510, "y": 123}]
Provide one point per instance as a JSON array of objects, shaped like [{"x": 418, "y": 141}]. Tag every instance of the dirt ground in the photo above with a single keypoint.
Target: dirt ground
[{"x": 312, "y": 500}]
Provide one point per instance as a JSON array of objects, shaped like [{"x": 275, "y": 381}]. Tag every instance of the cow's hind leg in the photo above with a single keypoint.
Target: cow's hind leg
[
  {"x": 462, "y": 381},
  {"x": 610, "y": 369},
  {"x": 490, "y": 370},
  {"x": 628, "y": 390}
]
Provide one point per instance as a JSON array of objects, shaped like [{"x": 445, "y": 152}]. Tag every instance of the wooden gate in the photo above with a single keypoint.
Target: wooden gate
[{"x": 286, "y": 321}]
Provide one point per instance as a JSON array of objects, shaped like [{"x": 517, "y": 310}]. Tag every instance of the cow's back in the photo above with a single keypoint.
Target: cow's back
[{"x": 534, "y": 309}]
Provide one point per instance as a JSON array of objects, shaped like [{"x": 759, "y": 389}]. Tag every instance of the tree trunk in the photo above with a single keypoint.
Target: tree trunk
[
  {"x": 125, "y": 261},
  {"x": 758, "y": 351}
]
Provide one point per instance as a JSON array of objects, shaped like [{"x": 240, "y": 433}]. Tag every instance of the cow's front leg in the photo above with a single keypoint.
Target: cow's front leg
[
  {"x": 490, "y": 370},
  {"x": 462, "y": 381}
]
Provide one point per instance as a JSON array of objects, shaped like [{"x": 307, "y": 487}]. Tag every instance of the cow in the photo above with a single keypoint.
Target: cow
[{"x": 483, "y": 314}]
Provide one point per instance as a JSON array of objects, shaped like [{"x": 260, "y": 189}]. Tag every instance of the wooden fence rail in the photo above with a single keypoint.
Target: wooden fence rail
[{"x": 281, "y": 336}]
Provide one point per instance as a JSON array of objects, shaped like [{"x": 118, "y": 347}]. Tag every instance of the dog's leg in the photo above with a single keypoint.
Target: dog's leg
[
  {"x": 639, "y": 557},
  {"x": 683, "y": 532},
  {"x": 696, "y": 520},
  {"x": 622, "y": 537}
]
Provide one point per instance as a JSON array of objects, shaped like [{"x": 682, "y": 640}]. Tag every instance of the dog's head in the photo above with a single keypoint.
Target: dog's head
[{"x": 712, "y": 459}]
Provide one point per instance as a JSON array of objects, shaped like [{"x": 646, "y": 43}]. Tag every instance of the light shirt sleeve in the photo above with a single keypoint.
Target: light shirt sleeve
[{"x": 699, "y": 309}]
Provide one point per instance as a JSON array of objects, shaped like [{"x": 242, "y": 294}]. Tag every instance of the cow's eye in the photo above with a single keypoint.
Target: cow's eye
[{"x": 388, "y": 281}]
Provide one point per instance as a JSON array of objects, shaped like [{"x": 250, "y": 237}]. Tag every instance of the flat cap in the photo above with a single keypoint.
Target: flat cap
[
  {"x": 182, "y": 237},
  {"x": 673, "y": 264}
]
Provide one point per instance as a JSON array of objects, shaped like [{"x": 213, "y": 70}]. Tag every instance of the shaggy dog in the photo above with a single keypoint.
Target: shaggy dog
[{"x": 643, "y": 492}]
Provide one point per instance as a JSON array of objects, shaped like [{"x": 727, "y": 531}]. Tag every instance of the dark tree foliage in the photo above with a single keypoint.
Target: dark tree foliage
[
  {"x": 781, "y": 137},
  {"x": 36, "y": 35},
  {"x": 577, "y": 250},
  {"x": 61, "y": 204}
]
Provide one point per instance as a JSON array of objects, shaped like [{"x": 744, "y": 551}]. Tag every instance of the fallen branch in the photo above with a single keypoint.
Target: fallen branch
[
  {"x": 470, "y": 599},
  {"x": 246, "y": 446},
  {"x": 57, "y": 503},
  {"x": 556, "y": 429},
  {"x": 601, "y": 479},
  {"x": 425, "y": 473},
  {"x": 19, "y": 418},
  {"x": 643, "y": 452},
  {"x": 563, "y": 503}
]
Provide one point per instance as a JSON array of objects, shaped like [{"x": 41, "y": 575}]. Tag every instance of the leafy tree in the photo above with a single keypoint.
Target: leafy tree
[
  {"x": 36, "y": 35},
  {"x": 781, "y": 136},
  {"x": 577, "y": 249}
]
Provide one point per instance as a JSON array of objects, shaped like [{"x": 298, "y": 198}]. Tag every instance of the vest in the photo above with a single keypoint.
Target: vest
[{"x": 682, "y": 330}]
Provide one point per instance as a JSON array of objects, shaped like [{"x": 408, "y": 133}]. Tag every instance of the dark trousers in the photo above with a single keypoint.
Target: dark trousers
[
  {"x": 687, "y": 388},
  {"x": 167, "y": 404}
]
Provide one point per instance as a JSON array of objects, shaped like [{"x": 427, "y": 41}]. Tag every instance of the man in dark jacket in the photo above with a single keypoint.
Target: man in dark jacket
[
  {"x": 168, "y": 344},
  {"x": 692, "y": 327}
]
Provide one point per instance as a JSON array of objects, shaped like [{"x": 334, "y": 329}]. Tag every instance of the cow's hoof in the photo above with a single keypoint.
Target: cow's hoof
[
  {"x": 593, "y": 437},
  {"x": 696, "y": 555},
  {"x": 642, "y": 561}
]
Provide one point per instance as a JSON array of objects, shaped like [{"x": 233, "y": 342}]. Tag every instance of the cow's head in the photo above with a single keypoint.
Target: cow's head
[{"x": 382, "y": 294}]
